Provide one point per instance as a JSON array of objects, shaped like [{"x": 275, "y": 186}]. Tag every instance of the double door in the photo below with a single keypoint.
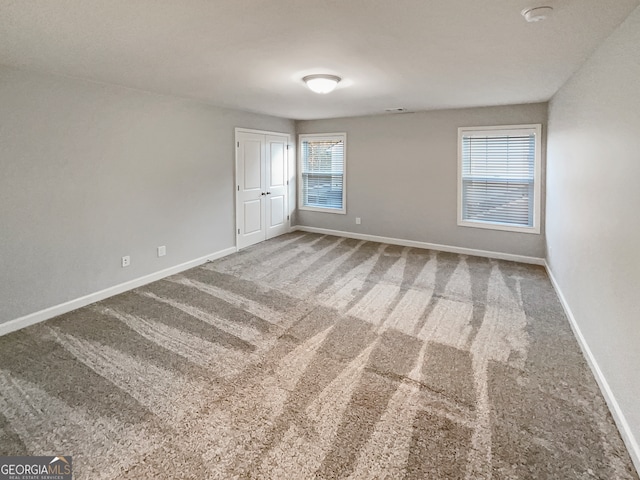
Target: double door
[{"x": 261, "y": 186}]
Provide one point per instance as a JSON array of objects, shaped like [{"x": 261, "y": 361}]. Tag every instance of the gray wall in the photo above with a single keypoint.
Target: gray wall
[
  {"x": 402, "y": 177},
  {"x": 90, "y": 172},
  {"x": 593, "y": 201}
]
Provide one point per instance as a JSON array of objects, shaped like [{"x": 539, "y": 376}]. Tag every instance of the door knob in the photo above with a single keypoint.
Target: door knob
[
  {"x": 263, "y": 193},
  {"x": 268, "y": 193}
]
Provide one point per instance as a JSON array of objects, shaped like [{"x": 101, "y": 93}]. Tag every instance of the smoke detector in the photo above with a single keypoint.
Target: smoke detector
[{"x": 536, "y": 14}]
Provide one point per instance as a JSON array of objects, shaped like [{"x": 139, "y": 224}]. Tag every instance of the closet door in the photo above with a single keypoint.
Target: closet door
[
  {"x": 261, "y": 186},
  {"x": 250, "y": 189},
  {"x": 276, "y": 185}
]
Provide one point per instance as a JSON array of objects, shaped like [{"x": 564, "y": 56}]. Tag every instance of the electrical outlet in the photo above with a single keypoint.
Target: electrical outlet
[
  {"x": 126, "y": 261},
  {"x": 358, "y": 221},
  {"x": 162, "y": 251}
]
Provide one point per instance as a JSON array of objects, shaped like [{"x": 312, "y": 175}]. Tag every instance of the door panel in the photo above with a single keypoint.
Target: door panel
[
  {"x": 252, "y": 216},
  {"x": 253, "y": 164},
  {"x": 277, "y": 152},
  {"x": 250, "y": 205},
  {"x": 276, "y": 208}
]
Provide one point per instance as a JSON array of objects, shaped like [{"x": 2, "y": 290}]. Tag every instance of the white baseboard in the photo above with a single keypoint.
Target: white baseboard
[
  {"x": 618, "y": 416},
  {"x": 417, "y": 244},
  {"x": 47, "y": 313}
]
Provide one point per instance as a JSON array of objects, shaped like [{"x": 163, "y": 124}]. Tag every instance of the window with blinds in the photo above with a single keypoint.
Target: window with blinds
[
  {"x": 499, "y": 177},
  {"x": 322, "y": 172}
]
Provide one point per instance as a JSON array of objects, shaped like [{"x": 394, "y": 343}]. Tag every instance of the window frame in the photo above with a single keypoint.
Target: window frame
[
  {"x": 322, "y": 137},
  {"x": 536, "y": 128}
]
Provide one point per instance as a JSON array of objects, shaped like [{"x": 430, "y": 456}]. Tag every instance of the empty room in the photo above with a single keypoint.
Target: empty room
[{"x": 356, "y": 239}]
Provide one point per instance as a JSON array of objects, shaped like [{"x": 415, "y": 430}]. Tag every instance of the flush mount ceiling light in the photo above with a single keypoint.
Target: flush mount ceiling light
[
  {"x": 321, "y": 83},
  {"x": 536, "y": 14}
]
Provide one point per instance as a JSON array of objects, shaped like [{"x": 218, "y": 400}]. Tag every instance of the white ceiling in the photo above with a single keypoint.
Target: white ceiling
[{"x": 252, "y": 54}]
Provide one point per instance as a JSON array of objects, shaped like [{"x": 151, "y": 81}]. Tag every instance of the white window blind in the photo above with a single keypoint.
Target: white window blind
[
  {"x": 498, "y": 177},
  {"x": 322, "y": 171}
]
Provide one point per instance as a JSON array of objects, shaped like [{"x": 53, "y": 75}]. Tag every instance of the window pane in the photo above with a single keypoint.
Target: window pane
[
  {"x": 322, "y": 170},
  {"x": 498, "y": 176}
]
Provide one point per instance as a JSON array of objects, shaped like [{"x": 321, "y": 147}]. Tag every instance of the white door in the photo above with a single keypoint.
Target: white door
[
  {"x": 276, "y": 185},
  {"x": 261, "y": 187},
  {"x": 250, "y": 189}
]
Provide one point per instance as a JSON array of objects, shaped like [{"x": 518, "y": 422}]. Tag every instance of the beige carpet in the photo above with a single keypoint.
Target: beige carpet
[{"x": 311, "y": 356}]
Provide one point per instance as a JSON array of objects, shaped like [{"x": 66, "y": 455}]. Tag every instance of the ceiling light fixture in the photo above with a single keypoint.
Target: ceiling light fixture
[
  {"x": 536, "y": 14},
  {"x": 321, "y": 83}
]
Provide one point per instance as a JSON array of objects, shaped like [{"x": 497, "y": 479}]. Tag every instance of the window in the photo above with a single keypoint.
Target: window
[
  {"x": 322, "y": 172},
  {"x": 499, "y": 177}
]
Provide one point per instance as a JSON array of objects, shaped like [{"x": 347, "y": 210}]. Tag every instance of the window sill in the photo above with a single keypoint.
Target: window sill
[
  {"x": 497, "y": 226},
  {"x": 342, "y": 211}
]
